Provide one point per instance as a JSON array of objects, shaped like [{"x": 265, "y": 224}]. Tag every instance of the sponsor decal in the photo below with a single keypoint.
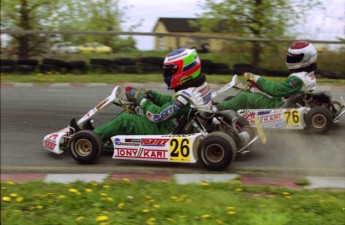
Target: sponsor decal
[
  {"x": 100, "y": 105},
  {"x": 186, "y": 93},
  {"x": 270, "y": 118},
  {"x": 204, "y": 90},
  {"x": 153, "y": 142},
  {"x": 179, "y": 102},
  {"x": 142, "y": 153},
  {"x": 127, "y": 142},
  {"x": 264, "y": 112},
  {"x": 176, "y": 57},
  {"x": 207, "y": 98},
  {"x": 49, "y": 145},
  {"x": 162, "y": 116},
  {"x": 178, "y": 135}
]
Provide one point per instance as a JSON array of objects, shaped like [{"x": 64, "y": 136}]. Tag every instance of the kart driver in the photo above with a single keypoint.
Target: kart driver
[
  {"x": 301, "y": 62},
  {"x": 181, "y": 71}
]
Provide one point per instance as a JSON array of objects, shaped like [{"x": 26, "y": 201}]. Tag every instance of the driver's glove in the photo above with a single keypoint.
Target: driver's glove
[
  {"x": 135, "y": 95},
  {"x": 250, "y": 77}
]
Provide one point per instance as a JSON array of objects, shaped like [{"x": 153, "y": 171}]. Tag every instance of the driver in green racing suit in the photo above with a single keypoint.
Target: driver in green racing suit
[
  {"x": 181, "y": 71},
  {"x": 300, "y": 60}
]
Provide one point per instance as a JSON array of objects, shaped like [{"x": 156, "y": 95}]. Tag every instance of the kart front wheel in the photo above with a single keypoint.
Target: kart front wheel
[
  {"x": 86, "y": 147},
  {"x": 319, "y": 120},
  {"x": 217, "y": 150}
]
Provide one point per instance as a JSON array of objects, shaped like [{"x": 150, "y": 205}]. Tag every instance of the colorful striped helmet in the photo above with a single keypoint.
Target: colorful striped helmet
[
  {"x": 180, "y": 66},
  {"x": 301, "y": 54}
]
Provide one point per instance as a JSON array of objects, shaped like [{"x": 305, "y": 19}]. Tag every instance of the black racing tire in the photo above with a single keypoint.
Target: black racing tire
[
  {"x": 26, "y": 69},
  {"x": 150, "y": 68},
  {"x": 7, "y": 62},
  {"x": 153, "y": 60},
  {"x": 221, "y": 68},
  {"x": 217, "y": 151},
  {"x": 124, "y": 61},
  {"x": 86, "y": 147},
  {"x": 55, "y": 62},
  {"x": 101, "y": 62},
  {"x": 28, "y": 62},
  {"x": 130, "y": 69},
  {"x": 319, "y": 120},
  {"x": 48, "y": 68}
]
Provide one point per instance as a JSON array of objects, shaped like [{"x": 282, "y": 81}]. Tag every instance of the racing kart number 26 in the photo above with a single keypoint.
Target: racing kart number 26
[{"x": 180, "y": 149}]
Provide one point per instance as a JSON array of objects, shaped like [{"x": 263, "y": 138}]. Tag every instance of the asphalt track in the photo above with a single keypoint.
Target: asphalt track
[{"x": 29, "y": 112}]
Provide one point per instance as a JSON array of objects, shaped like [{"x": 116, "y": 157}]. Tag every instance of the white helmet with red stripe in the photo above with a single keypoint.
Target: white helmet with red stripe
[{"x": 301, "y": 54}]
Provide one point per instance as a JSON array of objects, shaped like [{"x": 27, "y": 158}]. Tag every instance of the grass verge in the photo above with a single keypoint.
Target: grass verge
[
  {"x": 120, "y": 78},
  {"x": 166, "y": 202}
]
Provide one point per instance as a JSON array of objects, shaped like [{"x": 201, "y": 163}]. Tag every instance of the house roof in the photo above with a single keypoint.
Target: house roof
[{"x": 178, "y": 24}]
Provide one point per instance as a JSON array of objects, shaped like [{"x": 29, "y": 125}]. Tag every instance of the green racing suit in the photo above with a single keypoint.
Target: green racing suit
[
  {"x": 161, "y": 113},
  {"x": 277, "y": 92}
]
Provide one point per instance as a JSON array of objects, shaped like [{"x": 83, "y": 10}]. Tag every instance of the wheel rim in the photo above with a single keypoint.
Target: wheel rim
[
  {"x": 83, "y": 147},
  {"x": 214, "y": 153},
  {"x": 319, "y": 121}
]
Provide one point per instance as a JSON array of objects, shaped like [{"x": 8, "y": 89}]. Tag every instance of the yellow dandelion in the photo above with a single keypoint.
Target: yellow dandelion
[
  {"x": 148, "y": 196},
  {"x": 103, "y": 194},
  {"x": 73, "y": 190},
  {"x": 219, "y": 222},
  {"x": 6, "y": 199},
  {"x": 79, "y": 218},
  {"x": 94, "y": 184},
  {"x": 238, "y": 189},
  {"x": 101, "y": 218},
  {"x": 19, "y": 199},
  {"x": 286, "y": 193},
  {"x": 109, "y": 199},
  {"x": 231, "y": 213},
  {"x": 230, "y": 208},
  {"x": 121, "y": 205},
  {"x": 89, "y": 190},
  {"x": 39, "y": 207},
  {"x": 174, "y": 198},
  {"x": 145, "y": 210},
  {"x": 151, "y": 220},
  {"x": 288, "y": 197},
  {"x": 105, "y": 211},
  {"x": 170, "y": 219},
  {"x": 205, "y": 216},
  {"x": 61, "y": 197},
  {"x": 106, "y": 186},
  {"x": 236, "y": 182},
  {"x": 156, "y": 206},
  {"x": 13, "y": 195},
  {"x": 126, "y": 180},
  {"x": 103, "y": 223},
  {"x": 204, "y": 184},
  {"x": 11, "y": 183}
]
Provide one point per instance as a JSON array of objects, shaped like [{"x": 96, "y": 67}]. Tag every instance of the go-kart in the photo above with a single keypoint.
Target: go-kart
[
  {"x": 212, "y": 137},
  {"x": 310, "y": 111}
]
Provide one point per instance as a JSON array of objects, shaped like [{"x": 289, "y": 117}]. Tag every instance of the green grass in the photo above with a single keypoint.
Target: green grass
[
  {"x": 120, "y": 78},
  {"x": 166, "y": 202}
]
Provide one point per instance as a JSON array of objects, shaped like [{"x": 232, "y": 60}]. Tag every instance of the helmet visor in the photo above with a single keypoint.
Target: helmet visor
[
  {"x": 169, "y": 70},
  {"x": 294, "y": 58}
]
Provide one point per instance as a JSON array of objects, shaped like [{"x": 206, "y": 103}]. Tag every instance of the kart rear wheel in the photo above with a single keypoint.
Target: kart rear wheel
[
  {"x": 319, "y": 120},
  {"x": 217, "y": 151},
  {"x": 86, "y": 147}
]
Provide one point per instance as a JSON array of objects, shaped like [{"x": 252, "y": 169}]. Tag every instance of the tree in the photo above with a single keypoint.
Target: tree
[
  {"x": 94, "y": 15},
  {"x": 26, "y": 15},
  {"x": 255, "y": 18}
]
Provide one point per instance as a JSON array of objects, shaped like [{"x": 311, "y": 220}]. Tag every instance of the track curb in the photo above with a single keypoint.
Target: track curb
[{"x": 313, "y": 182}]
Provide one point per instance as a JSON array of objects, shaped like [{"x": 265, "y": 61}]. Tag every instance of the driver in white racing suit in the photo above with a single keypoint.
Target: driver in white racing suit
[
  {"x": 182, "y": 73},
  {"x": 300, "y": 60}
]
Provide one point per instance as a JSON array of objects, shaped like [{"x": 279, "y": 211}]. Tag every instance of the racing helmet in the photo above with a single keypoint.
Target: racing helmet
[
  {"x": 181, "y": 66},
  {"x": 301, "y": 54}
]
